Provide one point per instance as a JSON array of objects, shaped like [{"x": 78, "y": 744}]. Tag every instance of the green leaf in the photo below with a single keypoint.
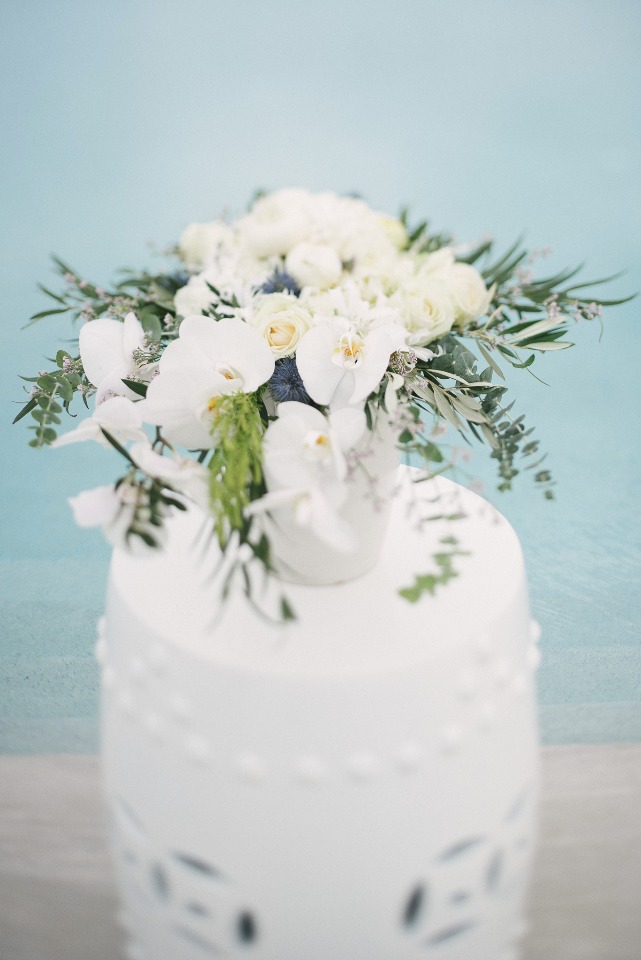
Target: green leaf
[
  {"x": 445, "y": 408},
  {"x": 28, "y": 407},
  {"x": 65, "y": 389},
  {"x": 525, "y": 364},
  {"x": 591, "y": 283},
  {"x": 476, "y": 253},
  {"x": 286, "y": 610},
  {"x": 117, "y": 446},
  {"x": 150, "y": 323},
  {"x": 45, "y": 313},
  {"x": 552, "y": 345},
  {"x": 137, "y": 387},
  {"x": 61, "y": 356},
  {"x": 487, "y": 356},
  {"x": 49, "y": 293}
]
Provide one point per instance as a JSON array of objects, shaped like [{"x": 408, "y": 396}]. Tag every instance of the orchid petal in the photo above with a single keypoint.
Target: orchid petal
[
  {"x": 379, "y": 346},
  {"x": 133, "y": 335},
  {"x": 95, "y": 508},
  {"x": 320, "y": 376},
  {"x": 101, "y": 348}
]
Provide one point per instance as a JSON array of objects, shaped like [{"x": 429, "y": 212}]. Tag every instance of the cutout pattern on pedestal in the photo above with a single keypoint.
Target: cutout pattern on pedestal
[
  {"x": 190, "y": 896},
  {"x": 465, "y": 877}
]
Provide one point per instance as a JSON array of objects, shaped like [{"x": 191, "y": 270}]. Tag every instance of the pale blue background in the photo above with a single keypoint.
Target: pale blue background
[{"x": 123, "y": 121}]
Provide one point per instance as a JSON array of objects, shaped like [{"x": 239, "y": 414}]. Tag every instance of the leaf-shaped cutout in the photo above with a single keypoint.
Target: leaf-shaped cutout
[
  {"x": 518, "y": 805},
  {"x": 200, "y": 866},
  {"x": 246, "y": 927},
  {"x": 211, "y": 948},
  {"x": 459, "y": 848},
  {"x": 159, "y": 881},
  {"x": 415, "y": 904},
  {"x": 448, "y": 933},
  {"x": 494, "y": 871}
]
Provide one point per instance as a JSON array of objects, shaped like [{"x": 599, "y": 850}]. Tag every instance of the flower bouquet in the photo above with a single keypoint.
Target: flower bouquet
[
  {"x": 361, "y": 782},
  {"x": 263, "y": 377}
]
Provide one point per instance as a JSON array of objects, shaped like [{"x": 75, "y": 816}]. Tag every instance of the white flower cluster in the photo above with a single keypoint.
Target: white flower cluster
[
  {"x": 319, "y": 291},
  {"x": 326, "y": 245}
]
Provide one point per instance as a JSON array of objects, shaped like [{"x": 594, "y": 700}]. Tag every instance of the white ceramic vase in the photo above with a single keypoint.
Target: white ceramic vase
[
  {"x": 301, "y": 557},
  {"x": 360, "y": 785}
]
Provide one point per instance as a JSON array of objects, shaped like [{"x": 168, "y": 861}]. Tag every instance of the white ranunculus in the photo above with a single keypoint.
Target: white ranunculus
[
  {"x": 193, "y": 298},
  {"x": 183, "y": 474},
  {"x": 469, "y": 294},
  {"x": 276, "y": 222},
  {"x": 282, "y": 321},
  {"x": 200, "y": 242},
  {"x": 118, "y": 415},
  {"x": 314, "y": 265},
  {"x": 209, "y": 359},
  {"x": 338, "y": 356},
  {"x": 349, "y": 226},
  {"x": 108, "y": 352}
]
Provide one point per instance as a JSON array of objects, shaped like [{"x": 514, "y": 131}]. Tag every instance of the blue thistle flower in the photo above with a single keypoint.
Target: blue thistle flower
[
  {"x": 174, "y": 281},
  {"x": 280, "y": 282},
  {"x": 286, "y": 384}
]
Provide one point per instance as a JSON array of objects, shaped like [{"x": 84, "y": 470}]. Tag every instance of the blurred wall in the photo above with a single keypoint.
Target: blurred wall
[{"x": 123, "y": 121}]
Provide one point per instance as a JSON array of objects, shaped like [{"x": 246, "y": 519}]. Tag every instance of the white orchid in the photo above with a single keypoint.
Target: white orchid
[
  {"x": 118, "y": 415},
  {"x": 108, "y": 351},
  {"x": 124, "y": 519},
  {"x": 210, "y": 359},
  {"x": 110, "y": 508},
  {"x": 97, "y": 507},
  {"x": 183, "y": 474},
  {"x": 305, "y": 468},
  {"x": 338, "y": 360}
]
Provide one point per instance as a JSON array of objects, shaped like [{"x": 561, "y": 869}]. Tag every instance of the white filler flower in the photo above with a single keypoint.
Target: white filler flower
[{"x": 210, "y": 359}]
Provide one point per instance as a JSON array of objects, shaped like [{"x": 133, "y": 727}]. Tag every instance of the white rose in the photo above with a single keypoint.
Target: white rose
[
  {"x": 193, "y": 298},
  {"x": 282, "y": 321},
  {"x": 276, "y": 223},
  {"x": 395, "y": 231},
  {"x": 437, "y": 264},
  {"x": 426, "y": 309},
  {"x": 314, "y": 265},
  {"x": 200, "y": 241},
  {"x": 470, "y": 296}
]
